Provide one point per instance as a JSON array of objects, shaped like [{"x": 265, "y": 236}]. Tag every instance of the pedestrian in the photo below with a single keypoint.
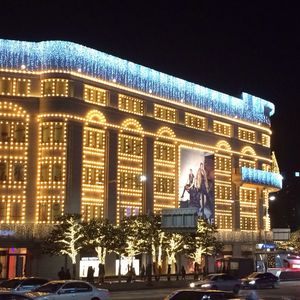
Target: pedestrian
[
  {"x": 90, "y": 274},
  {"x": 183, "y": 273},
  {"x": 101, "y": 273},
  {"x": 143, "y": 273},
  {"x": 129, "y": 275},
  {"x": 169, "y": 272},
  {"x": 68, "y": 274},
  {"x": 61, "y": 274},
  {"x": 133, "y": 275}
]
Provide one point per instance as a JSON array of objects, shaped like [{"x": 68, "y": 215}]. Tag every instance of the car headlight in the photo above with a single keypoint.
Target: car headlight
[
  {"x": 192, "y": 284},
  {"x": 252, "y": 282},
  {"x": 206, "y": 285}
]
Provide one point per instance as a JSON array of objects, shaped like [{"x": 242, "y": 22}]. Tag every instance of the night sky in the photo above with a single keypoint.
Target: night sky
[{"x": 229, "y": 46}]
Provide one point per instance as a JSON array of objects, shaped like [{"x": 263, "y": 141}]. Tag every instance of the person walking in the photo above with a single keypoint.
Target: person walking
[
  {"x": 183, "y": 272},
  {"x": 68, "y": 274},
  {"x": 61, "y": 274}
]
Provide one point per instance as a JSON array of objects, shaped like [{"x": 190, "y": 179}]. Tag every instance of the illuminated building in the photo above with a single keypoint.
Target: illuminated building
[{"x": 79, "y": 128}]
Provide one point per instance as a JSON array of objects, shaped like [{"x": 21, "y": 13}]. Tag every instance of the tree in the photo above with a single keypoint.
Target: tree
[
  {"x": 172, "y": 247},
  {"x": 293, "y": 243},
  {"x": 202, "y": 242},
  {"x": 119, "y": 244},
  {"x": 66, "y": 238},
  {"x": 99, "y": 234}
]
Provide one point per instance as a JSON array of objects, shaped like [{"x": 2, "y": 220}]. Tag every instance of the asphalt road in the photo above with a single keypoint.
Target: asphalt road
[{"x": 287, "y": 291}]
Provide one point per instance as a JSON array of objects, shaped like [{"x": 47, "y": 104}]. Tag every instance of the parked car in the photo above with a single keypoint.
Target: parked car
[
  {"x": 219, "y": 281},
  {"x": 68, "y": 289},
  {"x": 199, "y": 294},
  {"x": 7, "y": 295},
  {"x": 258, "y": 280},
  {"x": 22, "y": 284}
]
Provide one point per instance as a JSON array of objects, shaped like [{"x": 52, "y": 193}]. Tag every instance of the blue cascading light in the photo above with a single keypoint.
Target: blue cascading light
[
  {"x": 68, "y": 56},
  {"x": 261, "y": 177}
]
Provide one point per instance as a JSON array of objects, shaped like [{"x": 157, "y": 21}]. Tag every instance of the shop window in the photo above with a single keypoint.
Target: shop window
[
  {"x": 4, "y": 132},
  {"x": 44, "y": 172},
  {"x": 3, "y": 171},
  {"x": 58, "y": 133},
  {"x": 57, "y": 172},
  {"x": 43, "y": 212},
  {"x": 46, "y": 133},
  {"x": 18, "y": 172},
  {"x": 19, "y": 133}
]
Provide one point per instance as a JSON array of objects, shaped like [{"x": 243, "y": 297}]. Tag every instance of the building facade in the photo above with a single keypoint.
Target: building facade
[{"x": 81, "y": 130}]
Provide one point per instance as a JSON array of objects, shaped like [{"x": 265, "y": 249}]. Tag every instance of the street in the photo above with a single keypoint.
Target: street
[{"x": 287, "y": 291}]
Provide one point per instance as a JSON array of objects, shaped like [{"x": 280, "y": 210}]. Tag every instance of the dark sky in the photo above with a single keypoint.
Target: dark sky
[{"x": 230, "y": 46}]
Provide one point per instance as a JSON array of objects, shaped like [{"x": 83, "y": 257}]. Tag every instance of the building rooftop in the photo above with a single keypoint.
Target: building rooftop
[{"x": 74, "y": 58}]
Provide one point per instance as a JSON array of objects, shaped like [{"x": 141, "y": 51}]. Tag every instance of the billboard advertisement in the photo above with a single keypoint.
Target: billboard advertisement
[{"x": 196, "y": 181}]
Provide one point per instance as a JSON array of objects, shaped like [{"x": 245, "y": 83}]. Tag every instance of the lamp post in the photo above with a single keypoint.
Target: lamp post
[{"x": 271, "y": 198}]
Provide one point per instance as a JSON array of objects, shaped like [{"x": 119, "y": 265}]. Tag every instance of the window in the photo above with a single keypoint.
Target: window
[
  {"x": 165, "y": 152},
  {"x": 131, "y": 145},
  {"x": 15, "y": 86},
  {"x": 58, "y": 133},
  {"x": 130, "y": 181},
  {"x": 18, "y": 172},
  {"x": 6, "y": 86},
  {"x": 55, "y": 87},
  {"x": 4, "y": 132},
  {"x": 247, "y": 135},
  {"x": 164, "y": 113},
  {"x": 164, "y": 185},
  {"x": 95, "y": 95},
  {"x": 19, "y": 133},
  {"x": 57, "y": 172},
  {"x": 223, "y": 192},
  {"x": 3, "y": 171},
  {"x": 247, "y": 163},
  {"x": 94, "y": 138},
  {"x": 46, "y": 133},
  {"x": 222, "y": 163},
  {"x": 2, "y": 211},
  {"x": 195, "y": 121},
  {"x": 43, "y": 212},
  {"x": 15, "y": 211},
  {"x": 222, "y": 128},
  {"x": 131, "y": 104},
  {"x": 44, "y": 172},
  {"x": 265, "y": 140},
  {"x": 56, "y": 211}
]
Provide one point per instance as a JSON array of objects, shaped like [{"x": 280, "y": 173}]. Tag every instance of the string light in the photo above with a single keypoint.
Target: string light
[{"x": 68, "y": 56}]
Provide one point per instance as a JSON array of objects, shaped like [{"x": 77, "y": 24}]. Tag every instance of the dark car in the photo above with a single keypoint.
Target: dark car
[
  {"x": 22, "y": 284},
  {"x": 199, "y": 295},
  {"x": 258, "y": 280},
  {"x": 6, "y": 295},
  {"x": 219, "y": 281}
]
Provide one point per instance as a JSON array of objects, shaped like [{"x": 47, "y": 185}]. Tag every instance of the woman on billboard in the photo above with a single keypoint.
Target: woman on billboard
[{"x": 201, "y": 185}]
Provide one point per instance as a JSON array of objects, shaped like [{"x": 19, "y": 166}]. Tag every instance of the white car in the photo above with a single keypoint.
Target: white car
[{"x": 68, "y": 290}]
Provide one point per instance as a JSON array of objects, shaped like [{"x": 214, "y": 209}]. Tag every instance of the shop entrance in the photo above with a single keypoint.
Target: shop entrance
[{"x": 12, "y": 262}]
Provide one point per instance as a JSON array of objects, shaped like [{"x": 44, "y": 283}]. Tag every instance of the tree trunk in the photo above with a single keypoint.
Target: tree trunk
[
  {"x": 74, "y": 271},
  {"x": 119, "y": 272}
]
